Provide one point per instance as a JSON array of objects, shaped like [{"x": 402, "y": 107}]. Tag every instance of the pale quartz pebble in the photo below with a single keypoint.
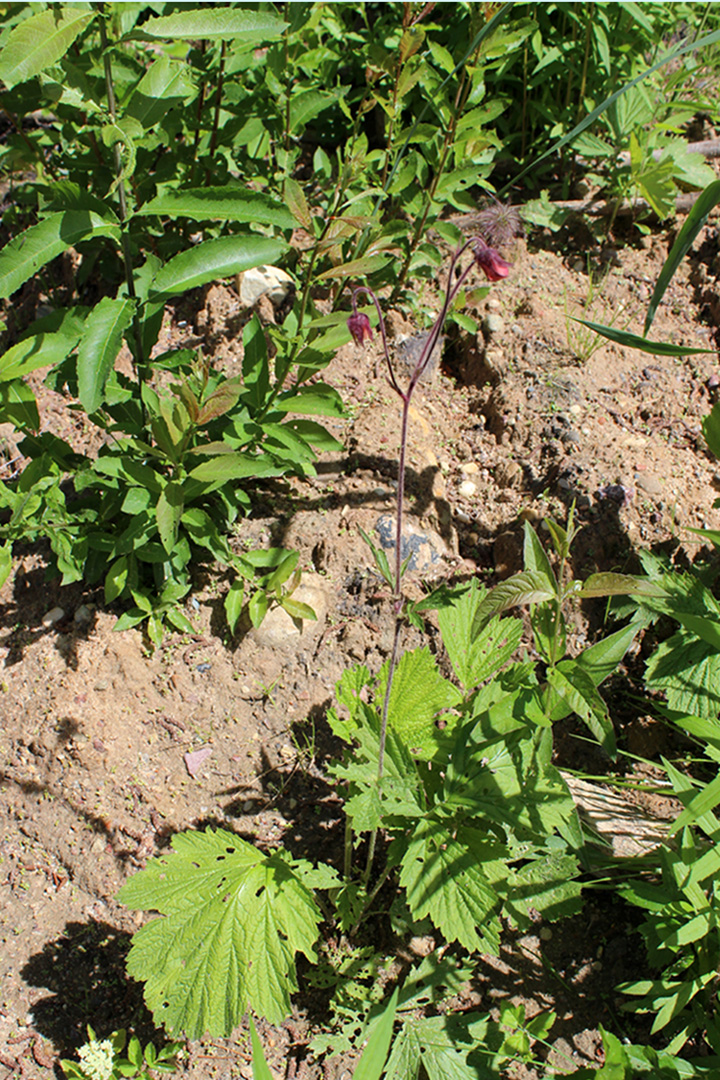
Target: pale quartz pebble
[
  {"x": 467, "y": 489},
  {"x": 55, "y": 615}
]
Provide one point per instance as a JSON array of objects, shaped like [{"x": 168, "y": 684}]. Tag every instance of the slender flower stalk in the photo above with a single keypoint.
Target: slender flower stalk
[{"x": 495, "y": 268}]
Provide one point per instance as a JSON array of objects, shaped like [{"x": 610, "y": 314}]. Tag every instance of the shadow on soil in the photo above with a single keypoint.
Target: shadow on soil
[{"x": 84, "y": 972}]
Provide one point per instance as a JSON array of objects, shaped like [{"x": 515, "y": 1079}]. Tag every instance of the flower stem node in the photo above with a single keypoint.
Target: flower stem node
[{"x": 359, "y": 327}]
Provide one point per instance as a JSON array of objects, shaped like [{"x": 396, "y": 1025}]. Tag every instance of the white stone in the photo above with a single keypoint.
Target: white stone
[
  {"x": 53, "y": 617},
  {"x": 467, "y": 489},
  {"x": 264, "y": 281}
]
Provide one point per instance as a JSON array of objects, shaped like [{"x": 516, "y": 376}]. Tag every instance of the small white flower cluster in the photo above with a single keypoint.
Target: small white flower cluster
[{"x": 97, "y": 1059}]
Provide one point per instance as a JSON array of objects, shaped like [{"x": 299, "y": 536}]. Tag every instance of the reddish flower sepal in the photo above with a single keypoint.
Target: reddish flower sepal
[
  {"x": 491, "y": 262},
  {"x": 359, "y": 326}
]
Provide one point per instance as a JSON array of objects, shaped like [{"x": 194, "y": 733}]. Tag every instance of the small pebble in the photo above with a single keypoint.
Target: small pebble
[
  {"x": 546, "y": 933},
  {"x": 83, "y": 615},
  {"x": 53, "y": 617},
  {"x": 469, "y": 468},
  {"x": 467, "y": 489},
  {"x": 203, "y": 668}
]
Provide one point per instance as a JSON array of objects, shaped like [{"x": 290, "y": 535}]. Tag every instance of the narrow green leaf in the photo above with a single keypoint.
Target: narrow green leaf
[
  {"x": 634, "y": 341},
  {"x": 611, "y": 584},
  {"x": 210, "y": 24},
  {"x": 5, "y": 562},
  {"x": 40, "y": 244},
  {"x": 259, "y": 1064},
  {"x": 165, "y": 85},
  {"x": 38, "y": 351},
  {"x": 234, "y": 603},
  {"x": 228, "y": 203},
  {"x": 372, "y": 1062},
  {"x": 711, "y": 429},
  {"x": 40, "y": 41},
  {"x": 694, "y": 222},
  {"x": 320, "y": 399},
  {"x": 577, "y": 688},
  {"x": 234, "y": 467},
  {"x": 357, "y": 268},
  {"x": 297, "y": 204},
  {"x": 18, "y": 405},
  {"x": 535, "y": 557},
  {"x": 296, "y": 609},
  {"x": 169, "y": 511},
  {"x": 99, "y": 346},
  {"x": 212, "y": 260}
]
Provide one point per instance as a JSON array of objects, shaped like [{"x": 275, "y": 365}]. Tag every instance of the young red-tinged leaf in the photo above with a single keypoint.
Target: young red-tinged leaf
[
  {"x": 611, "y": 584},
  {"x": 221, "y": 401}
]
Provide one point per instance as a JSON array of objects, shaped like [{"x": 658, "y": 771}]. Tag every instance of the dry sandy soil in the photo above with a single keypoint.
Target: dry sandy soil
[{"x": 518, "y": 421}]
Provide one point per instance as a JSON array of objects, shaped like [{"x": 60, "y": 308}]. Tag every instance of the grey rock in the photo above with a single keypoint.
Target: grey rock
[
  {"x": 649, "y": 484},
  {"x": 426, "y": 548}
]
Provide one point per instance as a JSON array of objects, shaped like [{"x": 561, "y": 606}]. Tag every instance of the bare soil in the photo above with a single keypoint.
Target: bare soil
[{"x": 96, "y": 727}]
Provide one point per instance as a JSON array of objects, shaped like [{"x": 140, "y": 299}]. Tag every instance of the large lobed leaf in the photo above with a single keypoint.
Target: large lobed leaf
[
  {"x": 476, "y": 656},
  {"x": 419, "y": 698},
  {"x": 443, "y": 880},
  {"x": 232, "y": 920}
]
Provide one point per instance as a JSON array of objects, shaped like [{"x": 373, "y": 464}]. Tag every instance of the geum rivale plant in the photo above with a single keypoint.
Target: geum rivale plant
[{"x": 477, "y": 823}]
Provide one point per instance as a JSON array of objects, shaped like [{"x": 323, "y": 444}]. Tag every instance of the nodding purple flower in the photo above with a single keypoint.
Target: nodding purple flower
[
  {"x": 359, "y": 326},
  {"x": 490, "y": 261}
]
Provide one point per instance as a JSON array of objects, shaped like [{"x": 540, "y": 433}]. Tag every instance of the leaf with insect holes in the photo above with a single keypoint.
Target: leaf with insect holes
[
  {"x": 419, "y": 699},
  {"x": 231, "y": 921}
]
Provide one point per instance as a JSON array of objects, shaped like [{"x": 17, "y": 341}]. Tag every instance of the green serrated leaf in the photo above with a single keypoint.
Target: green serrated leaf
[
  {"x": 228, "y": 203},
  {"x": 223, "y": 24},
  {"x": 527, "y": 587},
  {"x": 211, "y": 260},
  {"x": 476, "y": 656},
  {"x": 443, "y": 880},
  {"x": 419, "y": 695},
  {"x": 169, "y": 511},
  {"x": 99, "y": 346},
  {"x": 232, "y": 920},
  {"x": 24, "y": 255},
  {"x": 688, "y": 670},
  {"x": 40, "y": 41}
]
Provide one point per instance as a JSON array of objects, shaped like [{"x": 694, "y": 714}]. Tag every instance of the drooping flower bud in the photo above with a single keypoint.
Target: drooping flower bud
[
  {"x": 490, "y": 262},
  {"x": 359, "y": 326}
]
